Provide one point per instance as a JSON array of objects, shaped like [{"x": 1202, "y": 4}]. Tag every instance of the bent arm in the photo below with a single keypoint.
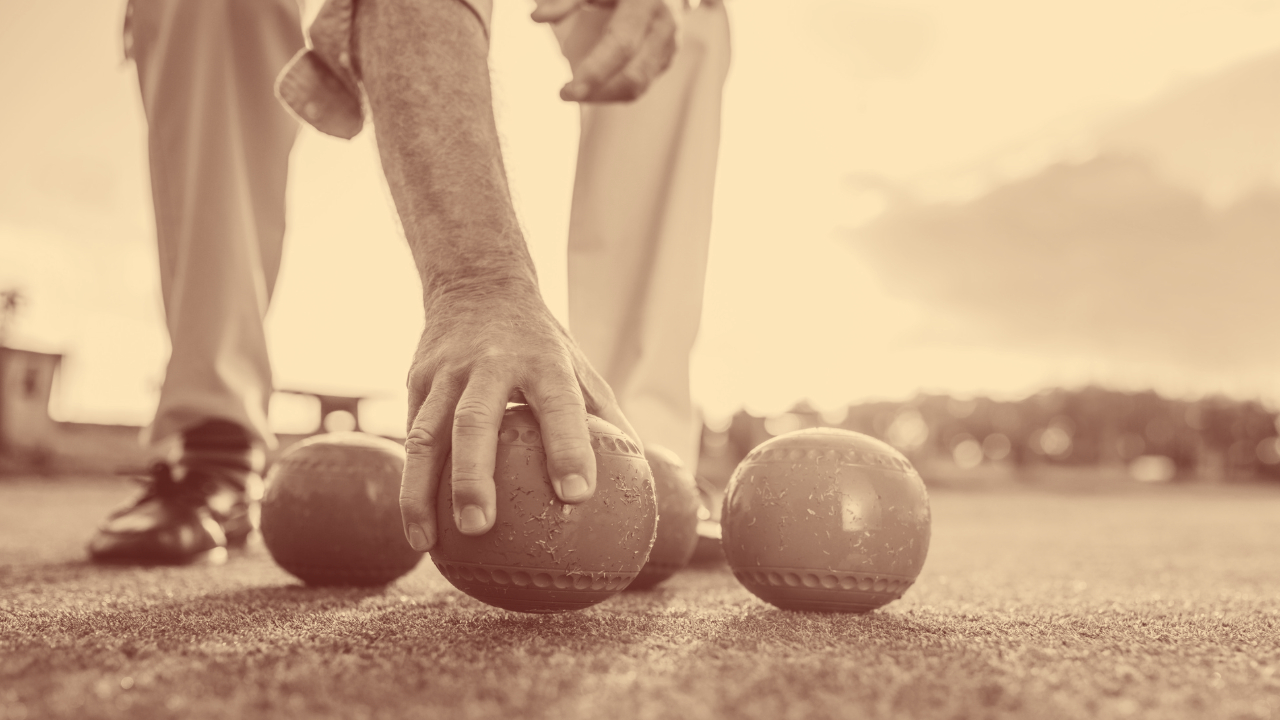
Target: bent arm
[
  {"x": 488, "y": 336},
  {"x": 425, "y": 72}
]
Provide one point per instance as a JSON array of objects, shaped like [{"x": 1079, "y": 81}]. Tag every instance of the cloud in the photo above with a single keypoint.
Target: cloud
[
  {"x": 1220, "y": 135},
  {"x": 1160, "y": 250},
  {"x": 1106, "y": 256}
]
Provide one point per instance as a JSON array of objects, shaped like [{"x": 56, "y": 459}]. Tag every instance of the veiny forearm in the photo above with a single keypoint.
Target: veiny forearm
[
  {"x": 425, "y": 71},
  {"x": 488, "y": 337}
]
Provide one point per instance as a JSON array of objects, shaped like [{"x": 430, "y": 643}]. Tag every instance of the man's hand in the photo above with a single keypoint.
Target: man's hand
[
  {"x": 489, "y": 337},
  {"x": 480, "y": 349},
  {"x": 620, "y": 60}
]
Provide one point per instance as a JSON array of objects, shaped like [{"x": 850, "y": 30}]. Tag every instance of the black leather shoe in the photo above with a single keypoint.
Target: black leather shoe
[{"x": 188, "y": 512}]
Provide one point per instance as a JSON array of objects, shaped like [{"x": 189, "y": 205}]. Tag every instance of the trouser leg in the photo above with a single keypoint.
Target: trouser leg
[
  {"x": 219, "y": 145},
  {"x": 639, "y": 231}
]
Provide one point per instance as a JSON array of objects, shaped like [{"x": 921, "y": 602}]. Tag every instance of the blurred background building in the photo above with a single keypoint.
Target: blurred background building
[{"x": 1085, "y": 437}]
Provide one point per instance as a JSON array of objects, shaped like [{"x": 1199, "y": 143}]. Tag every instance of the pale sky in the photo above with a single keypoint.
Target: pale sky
[{"x": 835, "y": 110}]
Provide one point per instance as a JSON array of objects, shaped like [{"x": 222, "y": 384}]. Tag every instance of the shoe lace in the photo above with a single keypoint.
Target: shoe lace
[{"x": 158, "y": 482}]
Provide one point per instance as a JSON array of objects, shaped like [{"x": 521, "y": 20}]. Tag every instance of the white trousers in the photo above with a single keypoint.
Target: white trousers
[
  {"x": 639, "y": 230},
  {"x": 219, "y": 144}
]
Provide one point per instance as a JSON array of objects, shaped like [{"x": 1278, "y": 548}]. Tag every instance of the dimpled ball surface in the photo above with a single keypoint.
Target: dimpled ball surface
[
  {"x": 542, "y": 555},
  {"x": 826, "y": 519},
  {"x": 678, "y": 505},
  {"x": 331, "y": 511}
]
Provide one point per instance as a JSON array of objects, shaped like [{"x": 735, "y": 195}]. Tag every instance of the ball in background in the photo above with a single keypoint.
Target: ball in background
[
  {"x": 543, "y": 555},
  {"x": 826, "y": 519},
  {"x": 331, "y": 511},
  {"x": 678, "y": 505},
  {"x": 708, "y": 552}
]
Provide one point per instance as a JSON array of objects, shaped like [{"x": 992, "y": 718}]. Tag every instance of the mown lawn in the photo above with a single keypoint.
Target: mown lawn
[{"x": 1156, "y": 602}]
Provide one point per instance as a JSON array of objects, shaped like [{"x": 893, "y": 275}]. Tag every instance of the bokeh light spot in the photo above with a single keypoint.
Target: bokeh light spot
[
  {"x": 967, "y": 453},
  {"x": 908, "y": 431},
  {"x": 339, "y": 421},
  {"x": 1152, "y": 468},
  {"x": 997, "y": 446},
  {"x": 1055, "y": 441},
  {"x": 782, "y": 424},
  {"x": 1269, "y": 451}
]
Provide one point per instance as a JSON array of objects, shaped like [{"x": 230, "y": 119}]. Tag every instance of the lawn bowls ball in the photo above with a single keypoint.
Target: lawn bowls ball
[
  {"x": 678, "y": 505},
  {"x": 826, "y": 519},
  {"x": 543, "y": 555},
  {"x": 331, "y": 511}
]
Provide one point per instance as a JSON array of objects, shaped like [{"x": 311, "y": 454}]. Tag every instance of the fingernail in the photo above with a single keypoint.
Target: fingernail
[
  {"x": 471, "y": 519},
  {"x": 418, "y": 538},
  {"x": 574, "y": 487}
]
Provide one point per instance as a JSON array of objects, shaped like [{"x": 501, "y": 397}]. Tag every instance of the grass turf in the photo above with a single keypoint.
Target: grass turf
[{"x": 1162, "y": 603}]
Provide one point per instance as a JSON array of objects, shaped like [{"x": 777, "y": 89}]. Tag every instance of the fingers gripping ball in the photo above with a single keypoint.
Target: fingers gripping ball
[
  {"x": 542, "y": 555},
  {"x": 678, "y": 505},
  {"x": 826, "y": 519},
  {"x": 331, "y": 512}
]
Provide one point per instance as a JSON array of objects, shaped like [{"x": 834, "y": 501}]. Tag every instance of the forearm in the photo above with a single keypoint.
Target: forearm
[{"x": 425, "y": 71}]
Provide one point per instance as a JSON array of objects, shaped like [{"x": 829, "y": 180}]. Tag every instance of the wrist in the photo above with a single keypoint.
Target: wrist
[
  {"x": 466, "y": 261},
  {"x": 480, "y": 286}
]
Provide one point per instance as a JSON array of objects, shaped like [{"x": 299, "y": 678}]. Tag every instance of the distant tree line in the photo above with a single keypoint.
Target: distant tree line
[{"x": 1214, "y": 438}]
